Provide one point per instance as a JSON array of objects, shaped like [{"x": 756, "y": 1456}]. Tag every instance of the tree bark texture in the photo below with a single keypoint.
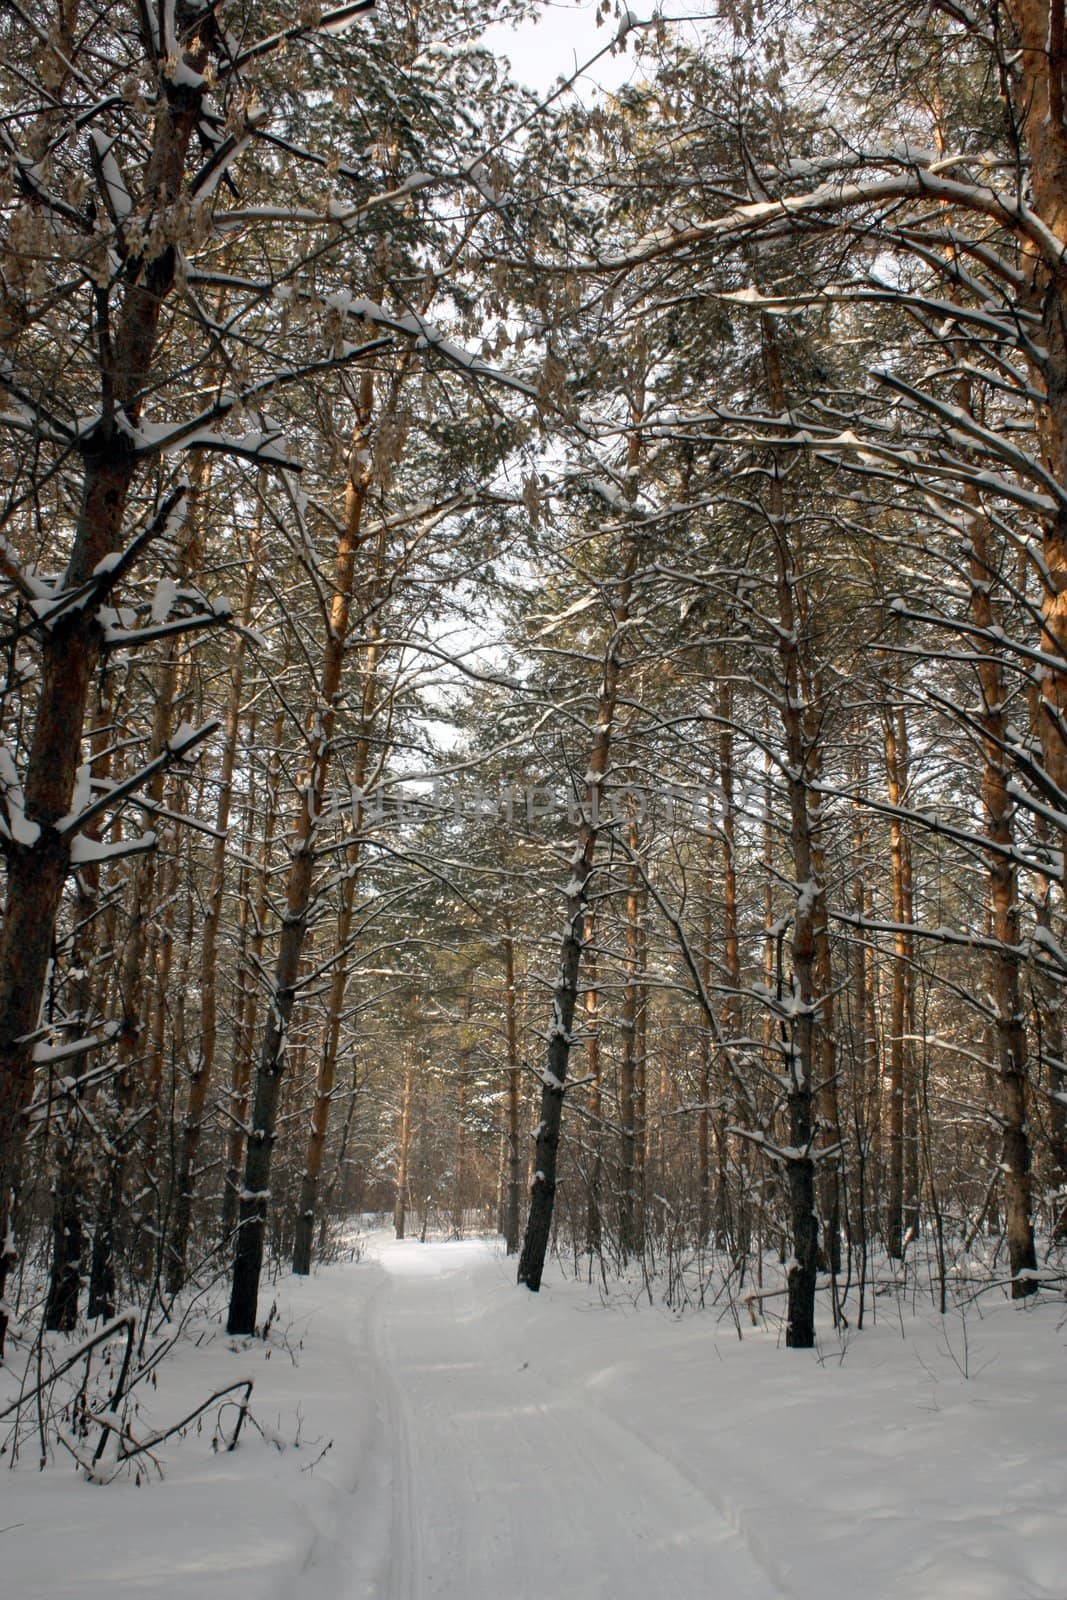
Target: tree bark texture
[
  {"x": 565, "y": 993},
  {"x": 70, "y": 652},
  {"x": 254, "y": 1198}
]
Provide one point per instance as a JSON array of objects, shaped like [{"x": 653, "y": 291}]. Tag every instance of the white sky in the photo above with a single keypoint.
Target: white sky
[{"x": 562, "y": 37}]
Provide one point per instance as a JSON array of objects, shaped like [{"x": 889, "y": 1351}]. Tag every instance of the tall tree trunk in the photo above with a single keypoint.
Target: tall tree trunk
[
  {"x": 327, "y": 1072},
  {"x": 325, "y": 1077},
  {"x": 38, "y": 860},
  {"x": 337, "y": 1184},
  {"x": 513, "y": 1162},
  {"x": 255, "y": 1194},
  {"x": 1050, "y": 1021},
  {"x": 629, "y": 1113},
  {"x": 403, "y": 1151},
  {"x": 1006, "y": 963},
  {"x": 247, "y": 1004},
  {"x": 69, "y": 1242},
  {"x": 707, "y": 1053},
  {"x": 731, "y": 945},
  {"x": 641, "y": 1117},
  {"x": 804, "y": 1006},
  {"x": 167, "y": 1030},
  {"x": 565, "y": 993},
  {"x": 1037, "y": 85},
  {"x": 902, "y": 1178},
  {"x": 200, "y": 1079},
  {"x": 865, "y": 1097},
  {"x": 459, "y": 1154},
  {"x": 138, "y": 958},
  {"x": 829, "y": 1115}
]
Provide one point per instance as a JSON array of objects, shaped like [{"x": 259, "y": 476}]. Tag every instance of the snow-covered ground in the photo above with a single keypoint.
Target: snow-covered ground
[{"x": 493, "y": 1445}]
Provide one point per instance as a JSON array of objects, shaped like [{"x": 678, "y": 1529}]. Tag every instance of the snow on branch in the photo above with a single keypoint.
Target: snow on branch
[
  {"x": 263, "y": 447},
  {"x": 15, "y": 826},
  {"x": 963, "y": 428},
  {"x": 427, "y": 337},
  {"x": 23, "y": 578},
  {"x": 178, "y": 748},
  {"x": 45, "y": 1053},
  {"x": 108, "y": 173},
  {"x": 87, "y": 851},
  {"x": 333, "y": 23},
  {"x": 787, "y": 1154},
  {"x": 226, "y": 151},
  {"x": 210, "y": 614},
  {"x": 775, "y": 218},
  {"x": 30, "y": 180},
  {"x": 31, "y": 416},
  {"x": 48, "y": 604}
]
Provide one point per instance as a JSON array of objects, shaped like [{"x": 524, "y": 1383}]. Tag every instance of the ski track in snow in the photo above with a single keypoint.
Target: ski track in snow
[
  {"x": 505, "y": 1480},
  {"x": 428, "y": 1431},
  {"x": 527, "y": 1446}
]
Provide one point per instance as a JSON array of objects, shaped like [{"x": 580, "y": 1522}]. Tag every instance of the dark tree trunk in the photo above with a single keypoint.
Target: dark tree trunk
[
  {"x": 247, "y": 1007},
  {"x": 200, "y": 1080},
  {"x": 70, "y": 653},
  {"x": 513, "y": 1163},
  {"x": 68, "y": 1250},
  {"x": 593, "y": 1219},
  {"x": 403, "y": 1160},
  {"x": 254, "y": 1199},
  {"x": 565, "y": 994},
  {"x": 543, "y": 1189},
  {"x": 72, "y": 1162}
]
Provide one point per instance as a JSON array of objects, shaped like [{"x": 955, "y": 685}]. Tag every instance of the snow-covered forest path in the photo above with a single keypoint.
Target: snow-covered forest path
[
  {"x": 425, "y": 1430},
  {"x": 494, "y": 1472},
  {"x": 529, "y": 1445}
]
